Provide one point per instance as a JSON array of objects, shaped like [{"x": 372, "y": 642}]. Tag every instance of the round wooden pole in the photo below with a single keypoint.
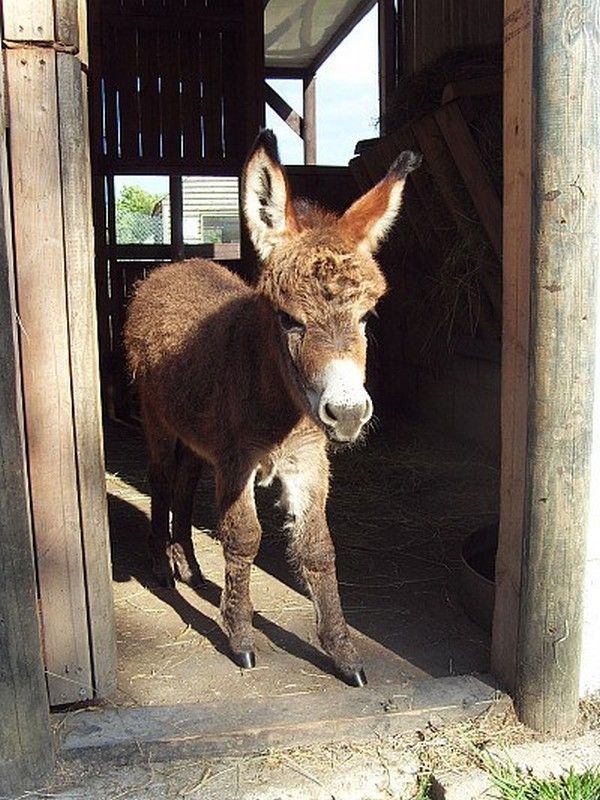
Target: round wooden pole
[{"x": 564, "y": 258}]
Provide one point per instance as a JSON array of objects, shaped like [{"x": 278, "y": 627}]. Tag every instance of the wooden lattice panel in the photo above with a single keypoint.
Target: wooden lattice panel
[{"x": 171, "y": 79}]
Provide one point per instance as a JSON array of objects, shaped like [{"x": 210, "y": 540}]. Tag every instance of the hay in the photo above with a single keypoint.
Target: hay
[{"x": 449, "y": 298}]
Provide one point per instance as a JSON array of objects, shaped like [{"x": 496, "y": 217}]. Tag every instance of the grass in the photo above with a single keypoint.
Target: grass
[
  {"x": 515, "y": 784},
  {"x": 424, "y": 788}
]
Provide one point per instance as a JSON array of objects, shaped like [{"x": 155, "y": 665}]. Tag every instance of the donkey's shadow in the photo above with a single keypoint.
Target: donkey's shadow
[{"x": 129, "y": 529}]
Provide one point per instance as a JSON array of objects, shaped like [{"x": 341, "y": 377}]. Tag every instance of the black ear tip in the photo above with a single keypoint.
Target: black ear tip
[
  {"x": 406, "y": 162},
  {"x": 268, "y": 141}
]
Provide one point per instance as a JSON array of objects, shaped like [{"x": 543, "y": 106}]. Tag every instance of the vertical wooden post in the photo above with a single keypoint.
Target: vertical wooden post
[
  {"x": 387, "y": 57},
  {"x": 26, "y": 752},
  {"x": 309, "y": 117},
  {"x": 552, "y": 232},
  {"x": 254, "y": 105},
  {"x": 51, "y": 213}
]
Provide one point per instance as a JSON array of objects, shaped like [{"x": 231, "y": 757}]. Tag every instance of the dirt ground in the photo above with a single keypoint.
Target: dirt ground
[
  {"x": 386, "y": 769},
  {"x": 399, "y": 509}
]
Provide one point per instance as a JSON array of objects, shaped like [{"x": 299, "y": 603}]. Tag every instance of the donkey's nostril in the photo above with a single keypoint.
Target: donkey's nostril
[{"x": 330, "y": 412}]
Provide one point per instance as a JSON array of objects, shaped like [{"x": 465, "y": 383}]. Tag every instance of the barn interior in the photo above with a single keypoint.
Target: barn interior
[{"x": 177, "y": 92}]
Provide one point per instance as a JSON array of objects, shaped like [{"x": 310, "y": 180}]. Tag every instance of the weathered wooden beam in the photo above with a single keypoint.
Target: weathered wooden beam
[
  {"x": 26, "y": 747},
  {"x": 67, "y": 22},
  {"x": 516, "y": 281},
  {"x": 28, "y": 20},
  {"x": 309, "y": 95},
  {"x": 550, "y": 69},
  {"x": 87, "y": 418},
  {"x": 283, "y": 110},
  {"x": 472, "y": 87},
  {"x": 467, "y": 158},
  {"x": 387, "y": 57},
  {"x": 45, "y": 354}
]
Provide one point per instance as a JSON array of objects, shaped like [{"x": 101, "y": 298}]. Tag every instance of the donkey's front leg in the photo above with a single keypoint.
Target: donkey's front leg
[
  {"x": 240, "y": 535},
  {"x": 304, "y": 493},
  {"x": 312, "y": 550}
]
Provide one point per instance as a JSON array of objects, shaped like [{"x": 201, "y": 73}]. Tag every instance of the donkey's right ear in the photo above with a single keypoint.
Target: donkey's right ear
[{"x": 266, "y": 198}]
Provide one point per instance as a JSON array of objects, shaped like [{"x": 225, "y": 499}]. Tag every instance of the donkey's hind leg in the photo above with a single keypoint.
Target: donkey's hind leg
[
  {"x": 161, "y": 465},
  {"x": 187, "y": 473},
  {"x": 160, "y": 477},
  {"x": 240, "y": 535}
]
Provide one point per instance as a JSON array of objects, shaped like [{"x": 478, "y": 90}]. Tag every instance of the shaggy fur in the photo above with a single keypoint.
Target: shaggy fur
[{"x": 237, "y": 377}]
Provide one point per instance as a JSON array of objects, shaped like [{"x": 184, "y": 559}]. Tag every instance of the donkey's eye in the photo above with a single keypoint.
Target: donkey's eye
[{"x": 289, "y": 324}]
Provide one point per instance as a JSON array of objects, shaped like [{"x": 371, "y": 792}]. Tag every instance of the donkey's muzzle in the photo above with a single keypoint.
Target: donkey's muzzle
[{"x": 344, "y": 405}]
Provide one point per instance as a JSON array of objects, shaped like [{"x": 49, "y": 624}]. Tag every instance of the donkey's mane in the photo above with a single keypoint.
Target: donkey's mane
[{"x": 312, "y": 215}]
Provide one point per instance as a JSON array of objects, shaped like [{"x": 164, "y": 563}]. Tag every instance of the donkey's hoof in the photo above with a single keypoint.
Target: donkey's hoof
[
  {"x": 245, "y": 659},
  {"x": 165, "y": 581},
  {"x": 356, "y": 678}
]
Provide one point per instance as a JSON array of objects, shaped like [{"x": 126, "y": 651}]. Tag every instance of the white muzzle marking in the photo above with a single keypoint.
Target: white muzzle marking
[{"x": 342, "y": 403}]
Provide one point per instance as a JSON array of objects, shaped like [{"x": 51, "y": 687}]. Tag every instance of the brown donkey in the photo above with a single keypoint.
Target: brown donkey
[{"x": 255, "y": 381}]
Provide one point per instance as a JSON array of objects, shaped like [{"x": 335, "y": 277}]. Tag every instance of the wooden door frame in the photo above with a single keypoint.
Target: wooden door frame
[{"x": 551, "y": 252}]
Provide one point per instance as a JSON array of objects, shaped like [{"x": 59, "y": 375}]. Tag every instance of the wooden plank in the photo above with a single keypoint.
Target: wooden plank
[
  {"x": 66, "y": 14},
  {"x": 28, "y": 20},
  {"x": 168, "y": 49},
  {"x": 125, "y": 77},
  {"x": 84, "y": 53},
  {"x": 26, "y": 746},
  {"x": 387, "y": 27},
  {"x": 149, "y": 96},
  {"x": 284, "y": 111},
  {"x": 564, "y": 257},
  {"x": 447, "y": 178},
  {"x": 212, "y": 77},
  {"x": 79, "y": 261},
  {"x": 192, "y": 104},
  {"x": 211, "y": 729},
  {"x": 234, "y": 100},
  {"x": 105, "y": 87},
  {"x": 515, "y": 338},
  {"x": 472, "y": 170},
  {"x": 37, "y": 203},
  {"x": 309, "y": 132},
  {"x": 472, "y": 87},
  {"x": 176, "y": 198}
]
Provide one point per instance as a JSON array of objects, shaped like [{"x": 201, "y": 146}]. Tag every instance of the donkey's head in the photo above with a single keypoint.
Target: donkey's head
[{"x": 320, "y": 277}]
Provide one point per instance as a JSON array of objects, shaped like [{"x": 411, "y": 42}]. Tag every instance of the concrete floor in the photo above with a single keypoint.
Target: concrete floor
[{"x": 399, "y": 509}]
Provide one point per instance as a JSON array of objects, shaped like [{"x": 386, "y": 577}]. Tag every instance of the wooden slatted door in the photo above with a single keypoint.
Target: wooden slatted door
[{"x": 177, "y": 93}]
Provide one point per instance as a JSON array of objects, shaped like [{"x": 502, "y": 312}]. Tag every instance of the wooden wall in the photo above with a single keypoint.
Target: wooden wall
[
  {"x": 428, "y": 28},
  {"x": 176, "y": 89},
  {"x": 55, "y": 306}
]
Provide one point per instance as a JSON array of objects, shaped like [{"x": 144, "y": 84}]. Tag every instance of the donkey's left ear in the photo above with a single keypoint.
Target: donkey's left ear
[
  {"x": 266, "y": 197},
  {"x": 370, "y": 218}
]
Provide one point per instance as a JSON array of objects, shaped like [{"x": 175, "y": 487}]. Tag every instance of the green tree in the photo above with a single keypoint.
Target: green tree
[{"x": 135, "y": 219}]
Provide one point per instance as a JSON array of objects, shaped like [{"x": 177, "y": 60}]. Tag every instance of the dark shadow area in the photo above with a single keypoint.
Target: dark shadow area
[
  {"x": 128, "y": 534},
  {"x": 399, "y": 510}
]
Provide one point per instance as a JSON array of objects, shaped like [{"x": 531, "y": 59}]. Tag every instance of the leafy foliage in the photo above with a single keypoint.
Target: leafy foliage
[{"x": 135, "y": 216}]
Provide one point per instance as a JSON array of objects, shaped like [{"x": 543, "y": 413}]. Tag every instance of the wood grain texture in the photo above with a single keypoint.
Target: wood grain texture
[
  {"x": 225, "y": 728},
  {"x": 37, "y": 205},
  {"x": 66, "y": 14},
  {"x": 476, "y": 178},
  {"x": 515, "y": 338},
  {"x": 28, "y": 20},
  {"x": 26, "y": 751},
  {"x": 79, "y": 262},
  {"x": 565, "y": 252}
]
